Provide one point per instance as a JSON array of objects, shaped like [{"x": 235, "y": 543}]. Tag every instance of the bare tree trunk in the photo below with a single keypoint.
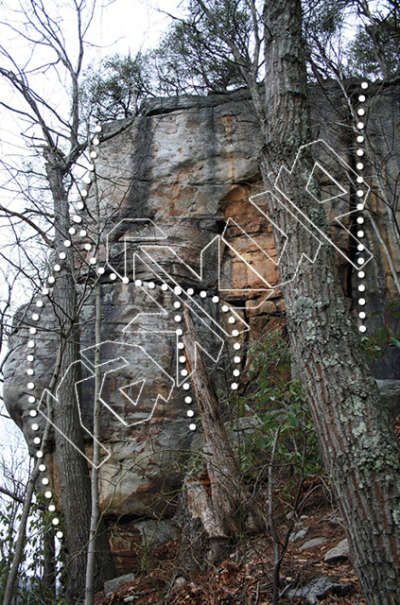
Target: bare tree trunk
[
  {"x": 19, "y": 546},
  {"x": 231, "y": 509},
  {"x": 95, "y": 514},
  {"x": 72, "y": 466},
  {"x": 357, "y": 442},
  {"x": 48, "y": 582}
]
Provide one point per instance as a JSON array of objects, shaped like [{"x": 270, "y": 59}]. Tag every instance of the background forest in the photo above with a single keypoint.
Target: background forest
[{"x": 251, "y": 489}]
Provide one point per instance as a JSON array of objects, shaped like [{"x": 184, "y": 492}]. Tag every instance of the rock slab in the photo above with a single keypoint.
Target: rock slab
[
  {"x": 113, "y": 585},
  {"x": 341, "y": 551},
  {"x": 299, "y": 535},
  {"x": 313, "y": 543},
  {"x": 319, "y": 588}
]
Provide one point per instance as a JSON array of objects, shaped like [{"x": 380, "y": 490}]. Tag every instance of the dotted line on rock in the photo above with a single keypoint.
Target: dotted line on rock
[
  {"x": 179, "y": 332},
  {"x": 236, "y": 346},
  {"x": 360, "y": 152},
  {"x": 76, "y": 219},
  {"x": 33, "y": 413},
  {"x": 33, "y": 331},
  {"x": 73, "y": 231}
]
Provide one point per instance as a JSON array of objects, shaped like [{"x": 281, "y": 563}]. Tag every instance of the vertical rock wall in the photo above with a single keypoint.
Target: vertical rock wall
[{"x": 189, "y": 164}]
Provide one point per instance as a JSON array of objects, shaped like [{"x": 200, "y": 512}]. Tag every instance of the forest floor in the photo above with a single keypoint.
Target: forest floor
[{"x": 245, "y": 577}]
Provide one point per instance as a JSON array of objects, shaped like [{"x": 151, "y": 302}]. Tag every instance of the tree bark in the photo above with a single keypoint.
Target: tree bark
[
  {"x": 72, "y": 467},
  {"x": 49, "y": 577},
  {"x": 30, "y": 489},
  {"x": 95, "y": 518},
  {"x": 358, "y": 444},
  {"x": 95, "y": 512},
  {"x": 228, "y": 509}
]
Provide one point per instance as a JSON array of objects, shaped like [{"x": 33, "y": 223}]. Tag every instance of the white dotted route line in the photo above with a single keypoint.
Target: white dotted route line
[
  {"x": 33, "y": 413},
  {"x": 87, "y": 180},
  {"x": 36, "y": 316},
  {"x": 73, "y": 230},
  {"x": 77, "y": 220},
  {"x": 178, "y": 318},
  {"x": 360, "y": 206}
]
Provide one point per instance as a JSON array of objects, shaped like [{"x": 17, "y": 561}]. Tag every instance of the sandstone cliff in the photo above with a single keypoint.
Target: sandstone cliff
[{"x": 190, "y": 166}]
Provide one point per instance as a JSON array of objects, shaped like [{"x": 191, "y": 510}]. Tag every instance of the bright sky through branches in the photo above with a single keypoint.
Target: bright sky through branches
[{"x": 119, "y": 26}]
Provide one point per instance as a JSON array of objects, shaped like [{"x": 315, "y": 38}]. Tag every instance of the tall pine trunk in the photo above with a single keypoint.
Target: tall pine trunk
[{"x": 358, "y": 445}]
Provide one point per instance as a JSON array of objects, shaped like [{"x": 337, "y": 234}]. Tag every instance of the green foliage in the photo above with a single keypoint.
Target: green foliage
[
  {"x": 114, "y": 90},
  {"x": 375, "y": 51},
  {"x": 385, "y": 336},
  {"x": 29, "y": 587},
  {"x": 323, "y": 19},
  {"x": 193, "y": 58},
  {"x": 278, "y": 402}
]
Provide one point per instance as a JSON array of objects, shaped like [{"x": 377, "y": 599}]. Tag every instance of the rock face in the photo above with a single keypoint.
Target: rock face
[
  {"x": 313, "y": 543},
  {"x": 113, "y": 585},
  {"x": 390, "y": 390},
  {"x": 341, "y": 551},
  {"x": 179, "y": 181},
  {"x": 319, "y": 588}
]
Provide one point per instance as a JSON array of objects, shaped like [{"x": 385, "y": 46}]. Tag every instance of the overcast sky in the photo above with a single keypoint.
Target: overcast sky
[
  {"x": 128, "y": 25},
  {"x": 123, "y": 26}
]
